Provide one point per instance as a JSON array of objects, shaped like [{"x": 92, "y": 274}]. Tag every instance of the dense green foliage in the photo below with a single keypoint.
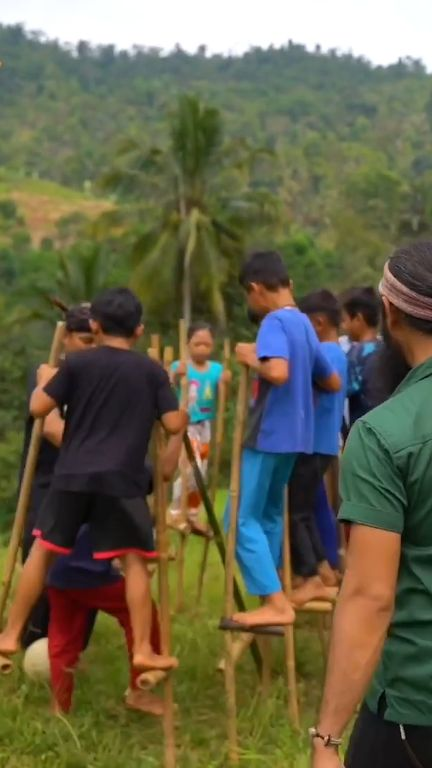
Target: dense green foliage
[{"x": 198, "y": 159}]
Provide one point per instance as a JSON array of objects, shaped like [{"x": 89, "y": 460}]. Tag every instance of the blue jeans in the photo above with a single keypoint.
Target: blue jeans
[{"x": 264, "y": 477}]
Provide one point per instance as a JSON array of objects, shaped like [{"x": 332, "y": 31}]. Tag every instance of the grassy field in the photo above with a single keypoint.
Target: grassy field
[{"x": 102, "y": 734}]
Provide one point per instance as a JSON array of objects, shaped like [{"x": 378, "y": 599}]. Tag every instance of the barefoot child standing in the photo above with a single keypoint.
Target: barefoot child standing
[
  {"x": 287, "y": 358},
  {"x": 113, "y": 397},
  {"x": 204, "y": 377}
]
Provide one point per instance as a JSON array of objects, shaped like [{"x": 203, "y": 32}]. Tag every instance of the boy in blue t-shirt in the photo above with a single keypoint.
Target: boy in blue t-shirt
[
  {"x": 360, "y": 321},
  {"x": 287, "y": 358},
  {"x": 314, "y": 576}
]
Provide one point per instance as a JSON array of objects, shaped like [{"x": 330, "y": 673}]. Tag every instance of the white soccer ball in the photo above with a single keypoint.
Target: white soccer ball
[{"x": 36, "y": 661}]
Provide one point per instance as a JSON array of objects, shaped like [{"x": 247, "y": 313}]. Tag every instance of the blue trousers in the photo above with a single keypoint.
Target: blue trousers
[
  {"x": 327, "y": 527},
  {"x": 264, "y": 477}
]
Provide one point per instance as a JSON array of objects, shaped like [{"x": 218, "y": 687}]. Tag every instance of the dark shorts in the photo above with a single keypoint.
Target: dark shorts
[{"x": 117, "y": 526}]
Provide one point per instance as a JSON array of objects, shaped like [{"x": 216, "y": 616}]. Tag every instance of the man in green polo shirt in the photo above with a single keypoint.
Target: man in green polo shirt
[{"x": 381, "y": 646}]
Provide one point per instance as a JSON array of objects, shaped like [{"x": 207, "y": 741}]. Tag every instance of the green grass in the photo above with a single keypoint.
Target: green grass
[{"x": 102, "y": 734}]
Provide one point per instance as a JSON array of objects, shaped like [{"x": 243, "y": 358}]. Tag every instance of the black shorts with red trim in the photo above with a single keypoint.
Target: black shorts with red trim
[{"x": 118, "y": 526}]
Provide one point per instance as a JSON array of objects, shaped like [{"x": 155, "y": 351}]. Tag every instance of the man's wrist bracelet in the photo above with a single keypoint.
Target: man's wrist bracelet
[{"x": 328, "y": 741}]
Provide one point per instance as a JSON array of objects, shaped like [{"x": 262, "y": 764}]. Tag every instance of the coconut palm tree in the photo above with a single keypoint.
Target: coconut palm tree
[{"x": 198, "y": 222}]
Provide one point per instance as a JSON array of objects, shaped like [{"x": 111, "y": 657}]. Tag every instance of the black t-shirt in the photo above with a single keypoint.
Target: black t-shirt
[
  {"x": 48, "y": 453},
  {"x": 112, "y": 398}
]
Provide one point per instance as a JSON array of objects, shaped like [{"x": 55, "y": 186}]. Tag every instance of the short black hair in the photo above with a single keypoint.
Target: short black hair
[
  {"x": 322, "y": 302},
  {"x": 363, "y": 301},
  {"x": 266, "y": 268},
  {"x": 412, "y": 266},
  {"x": 197, "y": 326},
  {"x": 118, "y": 311},
  {"x": 77, "y": 318}
]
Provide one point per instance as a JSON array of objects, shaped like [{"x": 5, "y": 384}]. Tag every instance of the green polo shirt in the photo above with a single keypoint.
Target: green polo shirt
[{"x": 386, "y": 483}]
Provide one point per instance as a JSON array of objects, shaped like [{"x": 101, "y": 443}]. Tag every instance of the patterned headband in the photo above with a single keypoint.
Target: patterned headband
[{"x": 403, "y": 298}]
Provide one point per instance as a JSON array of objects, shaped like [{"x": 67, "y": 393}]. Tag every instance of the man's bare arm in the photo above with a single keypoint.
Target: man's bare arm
[{"x": 360, "y": 626}]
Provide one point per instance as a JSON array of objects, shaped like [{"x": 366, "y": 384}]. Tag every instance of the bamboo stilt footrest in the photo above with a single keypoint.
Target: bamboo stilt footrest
[
  {"x": 316, "y": 606},
  {"x": 228, "y": 625}
]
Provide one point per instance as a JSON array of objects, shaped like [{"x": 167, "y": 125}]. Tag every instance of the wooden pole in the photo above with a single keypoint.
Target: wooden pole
[
  {"x": 26, "y": 485},
  {"x": 230, "y": 681},
  {"x": 160, "y": 503},
  {"x": 289, "y": 644},
  {"x": 265, "y": 644},
  {"x": 219, "y": 540},
  {"x": 164, "y": 608},
  {"x": 181, "y": 552},
  {"x": 219, "y": 435},
  {"x": 155, "y": 343}
]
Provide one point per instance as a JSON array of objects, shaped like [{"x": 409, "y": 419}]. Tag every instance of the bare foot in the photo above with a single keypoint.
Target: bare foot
[
  {"x": 266, "y": 616},
  {"x": 199, "y": 529},
  {"x": 144, "y": 701},
  {"x": 178, "y": 523},
  {"x": 312, "y": 589},
  {"x": 149, "y": 660},
  {"x": 327, "y": 574},
  {"x": 9, "y": 644},
  {"x": 297, "y": 581}
]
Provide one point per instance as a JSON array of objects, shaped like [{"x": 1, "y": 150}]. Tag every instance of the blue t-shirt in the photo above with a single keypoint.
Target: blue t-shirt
[
  {"x": 282, "y": 417},
  {"x": 202, "y": 390},
  {"x": 329, "y": 406},
  {"x": 79, "y": 570}
]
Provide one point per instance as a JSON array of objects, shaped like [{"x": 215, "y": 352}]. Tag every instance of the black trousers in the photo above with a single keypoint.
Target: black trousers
[
  {"x": 37, "y": 623},
  {"x": 376, "y": 743},
  {"x": 307, "y": 550}
]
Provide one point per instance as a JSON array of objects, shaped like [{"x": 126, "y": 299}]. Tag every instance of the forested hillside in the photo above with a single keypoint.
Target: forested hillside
[{"x": 161, "y": 170}]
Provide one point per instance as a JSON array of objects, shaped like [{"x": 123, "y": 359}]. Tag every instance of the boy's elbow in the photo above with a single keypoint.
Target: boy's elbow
[
  {"x": 36, "y": 410},
  {"x": 280, "y": 378},
  {"x": 175, "y": 422},
  {"x": 278, "y": 373},
  {"x": 332, "y": 383}
]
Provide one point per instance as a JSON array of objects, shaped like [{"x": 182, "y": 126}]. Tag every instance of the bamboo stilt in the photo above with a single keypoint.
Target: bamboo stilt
[
  {"x": 155, "y": 343},
  {"x": 322, "y": 634},
  {"x": 240, "y": 645},
  {"x": 265, "y": 644},
  {"x": 230, "y": 682},
  {"x": 164, "y": 600},
  {"x": 26, "y": 485},
  {"x": 181, "y": 552},
  {"x": 180, "y": 559},
  {"x": 148, "y": 680},
  {"x": 6, "y": 665},
  {"x": 219, "y": 541},
  {"x": 290, "y": 661},
  {"x": 219, "y": 435}
]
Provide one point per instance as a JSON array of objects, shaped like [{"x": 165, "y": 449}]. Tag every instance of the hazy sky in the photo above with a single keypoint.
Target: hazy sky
[{"x": 382, "y": 30}]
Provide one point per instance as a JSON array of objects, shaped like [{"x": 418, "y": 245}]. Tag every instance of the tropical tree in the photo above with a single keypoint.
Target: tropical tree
[{"x": 200, "y": 209}]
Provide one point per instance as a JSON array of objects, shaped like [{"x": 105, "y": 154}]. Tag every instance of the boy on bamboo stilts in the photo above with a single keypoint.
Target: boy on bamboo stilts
[
  {"x": 287, "y": 359},
  {"x": 112, "y": 397},
  {"x": 77, "y": 336},
  {"x": 204, "y": 377},
  {"x": 314, "y": 578}
]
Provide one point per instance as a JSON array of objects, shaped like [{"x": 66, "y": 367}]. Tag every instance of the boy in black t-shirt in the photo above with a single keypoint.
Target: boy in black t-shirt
[
  {"x": 77, "y": 336},
  {"x": 112, "y": 397}
]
